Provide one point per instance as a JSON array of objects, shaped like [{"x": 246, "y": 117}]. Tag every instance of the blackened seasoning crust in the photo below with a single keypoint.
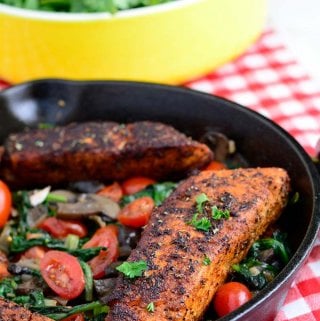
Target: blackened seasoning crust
[
  {"x": 99, "y": 150},
  {"x": 10, "y": 311},
  {"x": 177, "y": 281}
]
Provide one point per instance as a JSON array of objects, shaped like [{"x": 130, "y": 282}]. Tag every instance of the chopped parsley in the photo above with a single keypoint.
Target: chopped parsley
[
  {"x": 150, "y": 307},
  {"x": 295, "y": 198},
  {"x": 217, "y": 214},
  {"x": 206, "y": 261},
  {"x": 200, "y": 200},
  {"x": 132, "y": 269},
  {"x": 202, "y": 224}
]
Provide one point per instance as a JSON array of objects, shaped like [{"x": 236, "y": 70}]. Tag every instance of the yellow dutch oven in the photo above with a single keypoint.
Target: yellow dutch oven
[{"x": 167, "y": 43}]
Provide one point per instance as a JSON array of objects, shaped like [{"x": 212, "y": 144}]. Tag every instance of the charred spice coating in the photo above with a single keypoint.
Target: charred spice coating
[
  {"x": 88, "y": 151},
  {"x": 187, "y": 265}
]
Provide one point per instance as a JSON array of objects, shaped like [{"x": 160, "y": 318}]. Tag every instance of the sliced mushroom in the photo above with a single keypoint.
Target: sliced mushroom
[
  {"x": 87, "y": 205},
  {"x": 219, "y": 143},
  {"x": 36, "y": 215},
  {"x": 86, "y": 186},
  {"x": 104, "y": 288}
]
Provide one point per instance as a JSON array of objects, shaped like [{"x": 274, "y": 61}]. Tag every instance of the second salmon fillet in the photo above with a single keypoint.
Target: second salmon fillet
[{"x": 177, "y": 282}]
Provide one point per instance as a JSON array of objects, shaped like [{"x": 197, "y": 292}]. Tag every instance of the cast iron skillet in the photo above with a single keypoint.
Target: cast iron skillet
[{"x": 259, "y": 140}]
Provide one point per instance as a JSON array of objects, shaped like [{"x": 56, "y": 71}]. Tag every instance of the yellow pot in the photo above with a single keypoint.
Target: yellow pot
[{"x": 167, "y": 43}]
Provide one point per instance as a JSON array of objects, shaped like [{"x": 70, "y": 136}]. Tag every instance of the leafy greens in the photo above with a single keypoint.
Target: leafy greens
[{"x": 82, "y": 6}]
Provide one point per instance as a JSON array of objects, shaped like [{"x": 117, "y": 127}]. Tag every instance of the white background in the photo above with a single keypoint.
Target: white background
[{"x": 298, "y": 23}]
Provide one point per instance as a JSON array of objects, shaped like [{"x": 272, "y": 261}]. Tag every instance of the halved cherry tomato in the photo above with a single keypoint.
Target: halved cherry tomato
[
  {"x": 136, "y": 184},
  {"x": 74, "y": 317},
  {"x": 137, "y": 213},
  {"x": 35, "y": 252},
  {"x": 106, "y": 236},
  {"x": 61, "y": 228},
  {"x": 113, "y": 191},
  {"x": 63, "y": 273},
  {"x": 229, "y": 297},
  {"x": 215, "y": 166},
  {"x": 5, "y": 203}
]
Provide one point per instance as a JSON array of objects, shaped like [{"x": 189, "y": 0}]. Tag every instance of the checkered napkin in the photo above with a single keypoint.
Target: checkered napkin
[{"x": 268, "y": 80}]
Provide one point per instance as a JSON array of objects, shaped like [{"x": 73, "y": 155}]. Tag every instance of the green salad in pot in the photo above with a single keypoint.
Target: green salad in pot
[{"x": 82, "y": 6}]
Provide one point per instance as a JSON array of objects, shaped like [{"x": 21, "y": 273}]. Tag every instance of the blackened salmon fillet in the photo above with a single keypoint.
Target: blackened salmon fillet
[
  {"x": 99, "y": 151},
  {"x": 10, "y": 311},
  {"x": 177, "y": 281}
]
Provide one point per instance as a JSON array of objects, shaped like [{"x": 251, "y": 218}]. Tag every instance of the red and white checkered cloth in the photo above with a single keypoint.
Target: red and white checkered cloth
[{"x": 268, "y": 80}]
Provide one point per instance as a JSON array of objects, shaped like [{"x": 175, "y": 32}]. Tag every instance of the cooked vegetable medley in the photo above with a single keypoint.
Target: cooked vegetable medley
[
  {"x": 61, "y": 250},
  {"x": 60, "y": 264},
  {"x": 82, "y": 5}
]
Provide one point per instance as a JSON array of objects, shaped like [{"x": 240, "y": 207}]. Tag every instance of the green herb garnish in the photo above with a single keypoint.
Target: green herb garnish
[
  {"x": 217, "y": 214},
  {"x": 202, "y": 224},
  {"x": 150, "y": 307},
  {"x": 206, "y": 261},
  {"x": 200, "y": 200},
  {"x": 132, "y": 269}
]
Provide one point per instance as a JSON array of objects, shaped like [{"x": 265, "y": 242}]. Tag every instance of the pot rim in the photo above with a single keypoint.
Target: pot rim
[{"x": 95, "y": 16}]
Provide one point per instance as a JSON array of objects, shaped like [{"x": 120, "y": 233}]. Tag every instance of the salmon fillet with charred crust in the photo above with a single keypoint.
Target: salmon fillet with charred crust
[
  {"x": 10, "y": 311},
  {"x": 99, "y": 150},
  {"x": 177, "y": 281}
]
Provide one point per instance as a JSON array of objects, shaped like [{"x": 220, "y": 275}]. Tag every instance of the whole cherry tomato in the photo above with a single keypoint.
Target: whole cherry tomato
[
  {"x": 5, "y": 203},
  {"x": 229, "y": 297}
]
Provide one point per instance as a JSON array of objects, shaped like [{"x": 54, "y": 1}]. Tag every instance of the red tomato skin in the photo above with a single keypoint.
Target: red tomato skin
[
  {"x": 61, "y": 228},
  {"x": 229, "y": 297},
  {"x": 74, "y": 317},
  {"x": 63, "y": 274},
  {"x": 108, "y": 237},
  {"x": 215, "y": 166},
  {"x": 5, "y": 203},
  {"x": 137, "y": 213},
  {"x": 113, "y": 191},
  {"x": 136, "y": 184}
]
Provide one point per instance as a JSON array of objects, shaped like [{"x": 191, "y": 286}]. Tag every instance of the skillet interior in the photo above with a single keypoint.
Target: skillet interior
[{"x": 260, "y": 141}]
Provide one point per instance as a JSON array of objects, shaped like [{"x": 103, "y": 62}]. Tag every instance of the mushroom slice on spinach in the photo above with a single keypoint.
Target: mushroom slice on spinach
[
  {"x": 104, "y": 288},
  {"x": 219, "y": 143},
  {"x": 87, "y": 205},
  {"x": 36, "y": 215}
]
